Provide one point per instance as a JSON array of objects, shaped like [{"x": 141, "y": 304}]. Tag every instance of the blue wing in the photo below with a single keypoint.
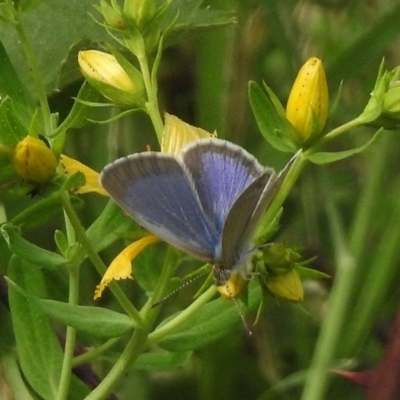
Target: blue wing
[
  {"x": 221, "y": 172},
  {"x": 156, "y": 190}
]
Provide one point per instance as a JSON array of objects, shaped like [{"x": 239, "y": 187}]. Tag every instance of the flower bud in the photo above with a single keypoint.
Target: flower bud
[
  {"x": 233, "y": 288},
  {"x": 121, "y": 84},
  {"x": 391, "y": 103},
  {"x": 286, "y": 286},
  {"x": 307, "y": 106},
  {"x": 177, "y": 134},
  {"x": 140, "y": 11},
  {"x": 112, "y": 14},
  {"x": 34, "y": 161}
]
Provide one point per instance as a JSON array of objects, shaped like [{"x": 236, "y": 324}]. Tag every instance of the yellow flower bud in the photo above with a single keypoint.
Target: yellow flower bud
[
  {"x": 107, "y": 75},
  {"x": 233, "y": 288},
  {"x": 286, "y": 286},
  {"x": 307, "y": 106},
  {"x": 34, "y": 161},
  {"x": 177, "y": 134}
]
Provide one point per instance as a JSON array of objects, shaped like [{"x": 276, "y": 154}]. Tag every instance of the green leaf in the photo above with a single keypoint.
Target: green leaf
[
  {"x": 96, "y": 321},
  {"x": 11, "y": 128},
  {"x": 29, "y": 251},
  {"x": 161, "y": 361},
  {"x": 80, "y": 112},
  {"x": 71, "y": 22},
  {"x": 275, "y": 129},
  {"x": 38, "y": 348},
  {"x": 192, "y": 20},
  {"x": 109, "y": 226},
  {"x": 215, "y": 320},
  {"x": 11, "y": 85},
  {"x": 326, "y": 157}
]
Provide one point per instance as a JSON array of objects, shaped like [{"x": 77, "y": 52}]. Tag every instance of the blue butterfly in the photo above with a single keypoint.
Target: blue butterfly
[{"x": 207, "y": 203}]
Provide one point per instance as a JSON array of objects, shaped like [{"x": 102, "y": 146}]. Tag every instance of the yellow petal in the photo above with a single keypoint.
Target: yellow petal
[
  {"x": 34, "y": 161},
  {"x": 70, "y": 166},
  {"x": 233, "y": 287},
  {"x": 121, "y": 267},
  {"x": 177, "y": 134}
]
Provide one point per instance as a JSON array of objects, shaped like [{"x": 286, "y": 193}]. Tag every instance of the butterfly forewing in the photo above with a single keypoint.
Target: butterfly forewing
[{"x": 157, "y": 192}]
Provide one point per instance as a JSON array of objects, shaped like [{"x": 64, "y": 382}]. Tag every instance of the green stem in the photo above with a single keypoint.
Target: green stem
[
  {"x": 333, "y": 134},
  {"x": 381, "y": 274},
  {"x": 70, "y": 338},
  {"x": 40, "y": 89},
  {"x": 286, "y": 186},
  {"x": 152, "y": 101},
  {"x": 166, "y": 329},
  {"x": 318, "y": 375},
  {"x": 138, "y": 341},
  {"x": 96, "y": 260},
  {"x": 370, "y": 196},
  {"x": 94, "y": 352}
]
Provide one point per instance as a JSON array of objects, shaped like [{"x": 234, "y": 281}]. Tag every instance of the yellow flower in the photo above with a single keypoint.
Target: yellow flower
[
  {"x": 286, "y": 286},
  {"x": 34, "y": 161},
  {"x": 122, "y": 84},
  {"x": 307, "y": 106},
  {"x": 70, "y": 166},
  {"x": 233, "y": 288},
  {"x": 121, "y": 267},
  {"x": 177, "y": 134}
]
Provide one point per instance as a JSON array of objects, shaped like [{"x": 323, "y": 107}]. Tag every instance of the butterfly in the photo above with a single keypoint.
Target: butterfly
[{"x": 208, "y": 202}]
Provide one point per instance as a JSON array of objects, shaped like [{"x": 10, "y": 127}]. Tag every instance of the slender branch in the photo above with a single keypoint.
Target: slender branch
[{"x": 96, "y": 260}]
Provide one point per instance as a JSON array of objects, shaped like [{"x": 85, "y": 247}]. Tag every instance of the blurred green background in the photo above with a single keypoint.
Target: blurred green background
[{"x": 203, "y": 80}]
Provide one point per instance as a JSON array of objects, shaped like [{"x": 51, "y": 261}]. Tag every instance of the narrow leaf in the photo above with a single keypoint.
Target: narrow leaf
[
  {"x": 273, "y": 127},
  {"x": 96, "y": 321},
  {"x": 29, "y": 251},
  {"x": 326, "y": 157}
]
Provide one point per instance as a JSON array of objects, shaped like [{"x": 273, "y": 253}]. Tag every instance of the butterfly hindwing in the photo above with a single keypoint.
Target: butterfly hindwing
[{"x": 221, "y": 172}]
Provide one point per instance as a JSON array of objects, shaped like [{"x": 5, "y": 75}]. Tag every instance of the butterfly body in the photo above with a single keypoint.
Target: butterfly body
[{"x": 207, "y": 203}]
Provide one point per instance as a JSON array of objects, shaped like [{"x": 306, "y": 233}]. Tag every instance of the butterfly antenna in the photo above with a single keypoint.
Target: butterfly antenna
[
  {"x": 179, "y": 288},
  {"x": 235, "y": 302}
]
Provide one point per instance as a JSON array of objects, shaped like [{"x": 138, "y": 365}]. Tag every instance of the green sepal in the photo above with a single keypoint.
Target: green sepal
[
  {"x": 28, "y": 251},
  {"x": 309, "y": 273},
  {"x": 39, "y": 353},
  {"x": 61, "y": 242},
  {"x": 329, "y": 157},
  {"x": 270, "y": 118}
]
